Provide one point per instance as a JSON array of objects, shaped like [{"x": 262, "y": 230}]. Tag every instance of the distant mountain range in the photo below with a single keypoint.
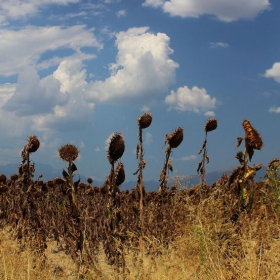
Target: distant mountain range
[{"x": 49, "y": 173}]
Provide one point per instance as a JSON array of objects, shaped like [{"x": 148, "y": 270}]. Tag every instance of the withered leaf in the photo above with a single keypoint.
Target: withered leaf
[
  {"x": 169, "y": 165},
  {"x": 199, "y": 167},
  {"x": 250, "y": 151},
  {"x": 239, "y": 141},
  {"x": 65, "y": 174},
  {"x": 202, "y": 148},
  {"x": 73, "y": 167}
]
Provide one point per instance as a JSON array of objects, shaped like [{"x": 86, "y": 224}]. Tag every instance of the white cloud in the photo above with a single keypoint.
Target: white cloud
[
  {"x": 6, "y": 92},
  {"x": 143, "y": 68},
  {"x": 121, "y": 13},
  {"x": 196, "y": 100},
  {"x": 71, "y": 75},
  {"x": 55, "y": 102},
  {"x": 219, "y": 45},
  {"x": 34, "y": 96},
  {"x": 148, "y": 138},
  {"x": 14, "y": 9},
  {"x": 274, "y": 72},
  {"x": 187, "y": 158},
  {"x": 225, "y": 10},
  {"x": 274, "y": 110},
  {"x": 145, "y": 108},
  {"x": 209, "y": 114},
  {"x": 25, "y": 46}
]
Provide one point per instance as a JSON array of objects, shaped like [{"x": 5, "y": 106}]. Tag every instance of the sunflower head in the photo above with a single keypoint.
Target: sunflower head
[
  {"x": 68, "y": 152},
  {"x": 175, "y": 139},
  {"x": 33, "y": 144},
  {"x": 253, "y": 137},
  {"x": 211, "y": 124},
  {"x": 119, "y": 174},
  {"x": 116, "y": 147},
  {"x": 145, "y": 120}
]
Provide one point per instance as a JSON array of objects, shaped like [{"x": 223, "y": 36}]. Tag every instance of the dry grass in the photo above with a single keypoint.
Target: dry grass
[{"x": 211, "y": 246}]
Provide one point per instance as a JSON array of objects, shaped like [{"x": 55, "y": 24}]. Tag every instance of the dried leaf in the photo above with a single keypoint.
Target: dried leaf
[
  {"x": 250, "y": 171},
  {"x": 65, "y": 174},
  {"x": 250, "y": 151},
  {"x": 199, "y": 167},
  {"x": 73, "y": 167},
  {"x": 202, "y": 148},
  {"x": 239, "y": 141},
  {"x": 169, "y": 165}
]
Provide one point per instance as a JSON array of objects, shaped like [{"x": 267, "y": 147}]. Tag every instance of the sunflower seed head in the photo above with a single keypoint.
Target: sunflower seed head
[
  {"x": 175, "y": 139},
  {"x": 68, "y": 152},
  {"x": 211, "y": 124},
  {"x": 116, "y": 147},
  {"x": 33, "y": 144},
  {"x": 252, "y": 135},
  {"x": 145, "y": 120}
]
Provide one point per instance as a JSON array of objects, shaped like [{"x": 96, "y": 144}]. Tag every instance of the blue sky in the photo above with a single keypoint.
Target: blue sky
[{"x": 76, "y": 71}]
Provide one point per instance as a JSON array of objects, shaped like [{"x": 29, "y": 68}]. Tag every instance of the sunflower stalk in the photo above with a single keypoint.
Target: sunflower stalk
[
  {"x": 69, "y": 153},
  {"x": 174, "y": 140},
  {"x": 144, "y": 121},
  {"x": 211, "y": 124},
  {"x": 253, "y": 142}
]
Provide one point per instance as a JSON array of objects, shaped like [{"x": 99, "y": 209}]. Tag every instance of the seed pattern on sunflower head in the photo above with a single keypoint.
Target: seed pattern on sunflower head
[
  {"x": 145, "y": 120},
  {"x": 116, "y": 147},
  {"x": 211, "y": 124},
  {"x": 175, "y": 139},
  {"x": 33, "y": 144},
  {"x": 252, "y": 135},
  {"x": 68, "y": 152}
]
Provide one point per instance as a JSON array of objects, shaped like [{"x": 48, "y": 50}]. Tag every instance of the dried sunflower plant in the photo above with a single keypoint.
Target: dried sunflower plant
[
  {"x": 253, "y": 141},
  {"x": 210, "y": 125},
  {"x": 174, "y": 140},
  {"x": 144, "y": 121},
  {"x": 70, "y": 153},
  {"x": 26, "y": 169},
  {"x": 113, "y": 243}
]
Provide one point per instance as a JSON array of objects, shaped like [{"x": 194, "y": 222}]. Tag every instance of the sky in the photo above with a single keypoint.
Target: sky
[{"x": 74, "y": 71}]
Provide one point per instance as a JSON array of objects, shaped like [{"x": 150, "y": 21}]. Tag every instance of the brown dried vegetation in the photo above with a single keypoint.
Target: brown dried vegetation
[{"x": 199, "y": 233}]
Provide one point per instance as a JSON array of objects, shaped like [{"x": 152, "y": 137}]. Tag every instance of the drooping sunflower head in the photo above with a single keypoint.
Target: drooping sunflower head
[
  {"x": 119, "y": 174},
  {"x": 33, "y": 144},
  {"x": 211, "y": 124},
  {"x": 253, "y": 137},
  {"x": 68, "y": 152},
  {"x": 145, "y": 120},
  {"x": 175, "y": 139},
  {"x": 116, "y": 147}
]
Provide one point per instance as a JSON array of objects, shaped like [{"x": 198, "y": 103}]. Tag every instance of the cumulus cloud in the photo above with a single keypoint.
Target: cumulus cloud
[
  {"x": 226, "y": 10},
  {"x": 75, "y": 112},
  {"x": 25, "y": 46},
  {"x": 55, "y": 102},
  {"x": 142, "y": 69},
  {"x": 274, "y": 110},
  {"x": 34, "y": 96},
  {"x": 196, "y": 100},
  {"x": 274, "y": 72}
]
